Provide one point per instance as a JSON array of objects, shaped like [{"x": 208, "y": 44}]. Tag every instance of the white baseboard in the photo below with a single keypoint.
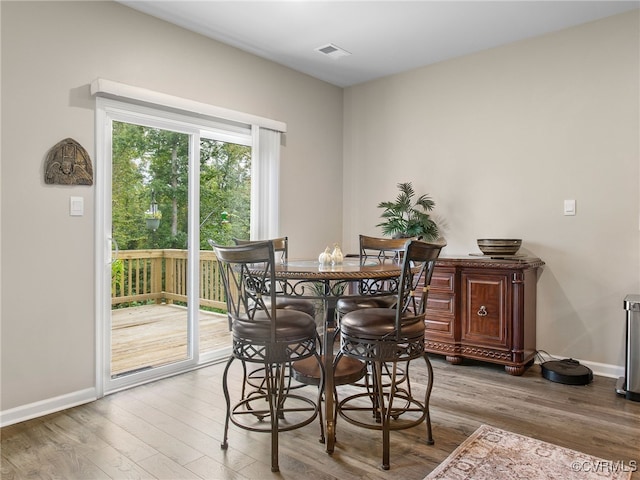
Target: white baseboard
[
  {"x": 600, "y": 369},
  {"x": 45, "y": 407},
  {"x": 604, "y": 369}
]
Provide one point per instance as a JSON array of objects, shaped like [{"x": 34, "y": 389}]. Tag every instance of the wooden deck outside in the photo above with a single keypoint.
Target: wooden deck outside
[{"x": 152, "y": 335}]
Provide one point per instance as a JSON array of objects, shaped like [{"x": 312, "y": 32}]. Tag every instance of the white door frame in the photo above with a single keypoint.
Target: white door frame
[
  {"x": 228, "y": 126},
  {"x": 106, "y": 112}
]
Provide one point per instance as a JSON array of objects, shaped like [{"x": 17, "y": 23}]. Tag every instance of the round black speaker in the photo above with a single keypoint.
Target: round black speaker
[{"x": 567, "y": 371}]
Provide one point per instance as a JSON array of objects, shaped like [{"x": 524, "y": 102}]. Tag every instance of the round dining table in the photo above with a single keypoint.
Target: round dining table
[{"x": 329, "y": 283}]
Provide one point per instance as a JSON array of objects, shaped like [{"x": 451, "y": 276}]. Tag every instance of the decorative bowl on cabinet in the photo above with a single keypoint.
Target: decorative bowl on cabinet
[{"x": 499, "y": 246}]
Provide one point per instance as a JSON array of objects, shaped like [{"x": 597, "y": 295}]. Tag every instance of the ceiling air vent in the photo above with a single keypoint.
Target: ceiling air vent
[{"x": 332, "y": 51}]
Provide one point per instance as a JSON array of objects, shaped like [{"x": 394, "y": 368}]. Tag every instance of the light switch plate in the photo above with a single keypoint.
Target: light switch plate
[
  {"x": 569, "y": 207},
  {"x": 76, "y": 206}
]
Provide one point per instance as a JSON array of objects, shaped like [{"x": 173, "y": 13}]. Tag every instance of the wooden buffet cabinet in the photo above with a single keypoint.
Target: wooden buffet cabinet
[{"x": 485, "y": 309}]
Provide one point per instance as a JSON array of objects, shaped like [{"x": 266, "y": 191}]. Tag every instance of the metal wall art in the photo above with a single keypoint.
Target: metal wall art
[{"x": 68, "y": 163}]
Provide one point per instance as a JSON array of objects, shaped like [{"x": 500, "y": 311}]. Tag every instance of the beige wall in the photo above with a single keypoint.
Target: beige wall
[
  {"x": 500, "y": 139},
  {"x": 51, "y": 51}
]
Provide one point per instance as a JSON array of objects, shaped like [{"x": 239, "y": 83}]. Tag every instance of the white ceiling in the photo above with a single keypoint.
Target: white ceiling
[{"x": 383, "y": 37}]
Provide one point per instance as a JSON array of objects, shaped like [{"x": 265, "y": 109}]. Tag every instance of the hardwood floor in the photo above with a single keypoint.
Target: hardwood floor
[{"x": 172, "y": 429}]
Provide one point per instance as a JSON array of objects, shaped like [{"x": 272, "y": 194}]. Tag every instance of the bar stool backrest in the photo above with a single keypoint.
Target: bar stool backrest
[
  {"x": 383, "y": 249},
  {"x": 280, "y": 246},
  {"x": 248, "y": 274},
  {"x": 414, "y": 286}
]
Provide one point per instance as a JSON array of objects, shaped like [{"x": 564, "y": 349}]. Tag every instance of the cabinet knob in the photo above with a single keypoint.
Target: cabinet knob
[{"x": 483, "y": 311}]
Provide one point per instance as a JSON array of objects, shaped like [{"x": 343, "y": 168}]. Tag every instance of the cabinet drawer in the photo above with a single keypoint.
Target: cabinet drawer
[
  {"x": 440, "y": 314},
  {"x": 439, "y": 304},
  {"x": 442, "y": 280},
  {"x": 438, "y": 328}
]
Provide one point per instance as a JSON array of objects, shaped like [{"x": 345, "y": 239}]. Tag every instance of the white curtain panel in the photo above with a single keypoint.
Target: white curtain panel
[{"x": 265, "y": 211}]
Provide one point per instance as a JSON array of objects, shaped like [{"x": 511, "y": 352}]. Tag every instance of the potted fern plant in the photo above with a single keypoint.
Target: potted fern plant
[
  {"x": 153, "y": 219},
  {"x": 405, "y": 218}
]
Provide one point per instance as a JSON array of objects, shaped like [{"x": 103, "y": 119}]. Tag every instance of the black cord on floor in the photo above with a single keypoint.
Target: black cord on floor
[{"x": 541, "y": 358}]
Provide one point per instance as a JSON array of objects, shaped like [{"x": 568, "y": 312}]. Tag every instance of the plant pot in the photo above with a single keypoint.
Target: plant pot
[{"x": 153, "y": 223}]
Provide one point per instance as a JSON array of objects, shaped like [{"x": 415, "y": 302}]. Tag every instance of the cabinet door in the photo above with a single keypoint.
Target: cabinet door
[{"x": 485, "y": 308}]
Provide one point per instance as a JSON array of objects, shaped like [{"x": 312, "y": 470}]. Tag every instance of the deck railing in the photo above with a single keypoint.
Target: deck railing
[{"x": 160, "y": 275}]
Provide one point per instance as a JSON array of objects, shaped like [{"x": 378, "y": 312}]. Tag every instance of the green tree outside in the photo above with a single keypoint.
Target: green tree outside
[{"x": 153, "y": 163}]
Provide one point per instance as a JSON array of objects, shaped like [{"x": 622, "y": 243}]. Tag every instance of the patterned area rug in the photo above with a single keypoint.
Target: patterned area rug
[{"x": 494, "y": 454}]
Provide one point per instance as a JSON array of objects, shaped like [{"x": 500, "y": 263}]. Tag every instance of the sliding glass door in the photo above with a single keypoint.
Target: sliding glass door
[
  {"x": 170, "y": 186},
  {"x": 150, "y": 272},
  {"x": 225, "y": 214}
]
